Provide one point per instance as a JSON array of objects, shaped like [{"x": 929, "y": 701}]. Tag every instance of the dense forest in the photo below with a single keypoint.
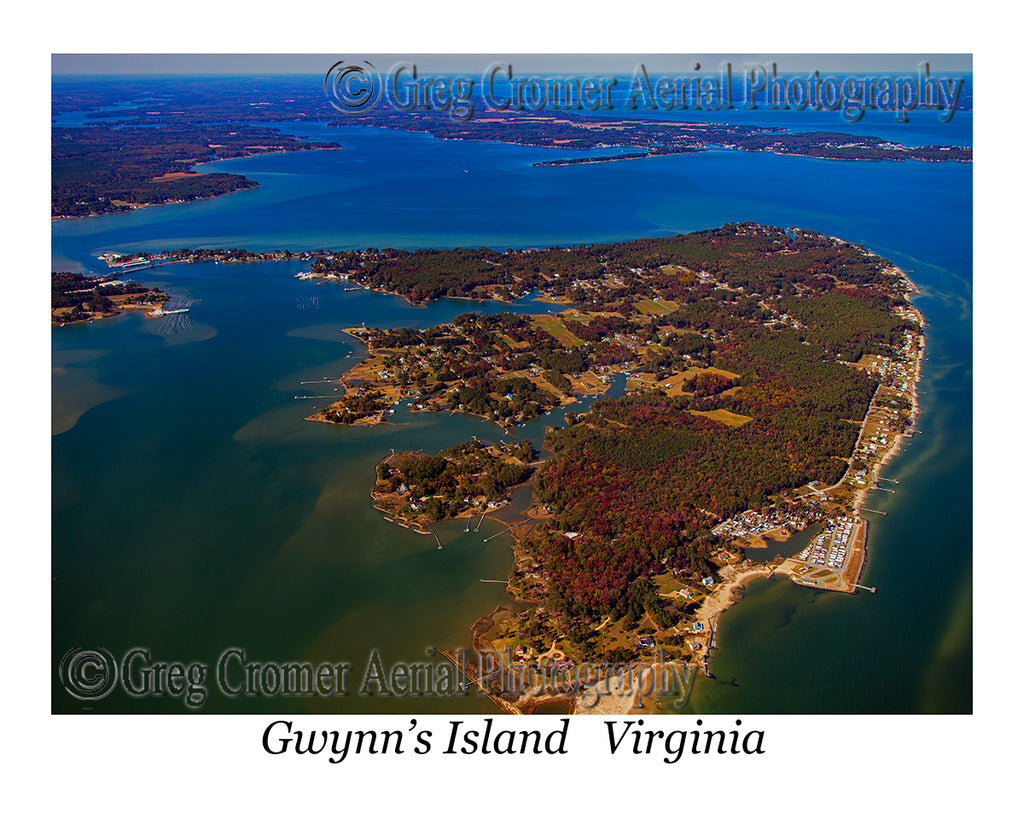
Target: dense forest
[
  {"x": 745, "y": 258},
  {"x": 642, "y": 479},
  {"x": 102, "y": 168},
  {"x": 761, "y": 325}
]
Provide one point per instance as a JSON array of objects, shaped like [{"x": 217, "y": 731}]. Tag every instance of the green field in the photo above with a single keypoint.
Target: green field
[
  {"x": 723, "y": 416},
  {"x": 656, "y": 308},
  {"x": 553, "y": 325}
]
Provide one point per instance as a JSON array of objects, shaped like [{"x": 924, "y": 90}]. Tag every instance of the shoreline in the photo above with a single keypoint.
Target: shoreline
[
  {"x": 895, "y": 373},
  {"x": 729, "y": 593}
]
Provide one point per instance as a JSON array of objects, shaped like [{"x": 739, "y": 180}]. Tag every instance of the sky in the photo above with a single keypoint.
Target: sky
[{"x": 588, "y": 63}]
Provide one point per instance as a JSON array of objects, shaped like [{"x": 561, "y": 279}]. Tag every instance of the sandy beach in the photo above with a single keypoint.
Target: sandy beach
[{"x": 727, "y": 593}]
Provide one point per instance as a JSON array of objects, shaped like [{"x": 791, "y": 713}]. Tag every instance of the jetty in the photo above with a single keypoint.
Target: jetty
[
  {"x": 491, "y": 537},
  {"x": 159, "y": 311}
]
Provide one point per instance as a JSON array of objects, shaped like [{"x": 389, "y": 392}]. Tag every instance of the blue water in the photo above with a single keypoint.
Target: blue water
[{"x": 222, "y": 516}]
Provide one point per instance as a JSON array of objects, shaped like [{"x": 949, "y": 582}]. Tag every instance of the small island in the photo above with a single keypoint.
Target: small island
[
  {"x": 75, "y": 297},
  {"x": 414, "y": 489}
]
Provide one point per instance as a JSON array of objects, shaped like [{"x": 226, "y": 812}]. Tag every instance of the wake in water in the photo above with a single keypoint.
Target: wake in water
[{"x": 175, "y": 323}]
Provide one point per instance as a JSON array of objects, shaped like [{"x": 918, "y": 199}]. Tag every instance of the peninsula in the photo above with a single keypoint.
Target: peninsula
[
  {"x": 103, "y": 169},
  {"x": 769, "y": 374},
  {"x": 136, "y": 144}
]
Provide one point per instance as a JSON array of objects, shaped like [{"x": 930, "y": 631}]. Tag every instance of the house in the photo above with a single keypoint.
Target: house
[{"x": 708, "y": 581}]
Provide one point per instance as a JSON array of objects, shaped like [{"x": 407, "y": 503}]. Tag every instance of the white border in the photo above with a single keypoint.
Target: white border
[{"x": 114, "y": 765}]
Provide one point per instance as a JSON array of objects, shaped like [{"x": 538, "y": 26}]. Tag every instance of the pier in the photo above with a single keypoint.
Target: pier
[
  {"x": 431, "y": 528},
  {"x": 871, "y": 589},
  {"x": 876, "y": 511},
  {"x": 506, "y": 529}
]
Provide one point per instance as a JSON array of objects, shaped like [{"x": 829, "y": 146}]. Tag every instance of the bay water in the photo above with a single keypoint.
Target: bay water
[{"x": 194, "y": 509}]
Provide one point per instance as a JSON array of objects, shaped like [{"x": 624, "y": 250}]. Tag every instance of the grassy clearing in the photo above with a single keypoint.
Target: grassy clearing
[
  {"x": 587, "y": 384},
  {"x": 675, "y": 385},
  {"x": 716, "y": 370},
  {"x": 515, "y": 345},
  {"x": 656, "y": 308},
  {"x": 554, "y": 326},
  {"x": 723, "y": 416}
]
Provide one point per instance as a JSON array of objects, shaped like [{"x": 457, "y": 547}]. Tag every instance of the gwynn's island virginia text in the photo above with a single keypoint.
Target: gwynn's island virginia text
[{"x": 769, "y": 374}]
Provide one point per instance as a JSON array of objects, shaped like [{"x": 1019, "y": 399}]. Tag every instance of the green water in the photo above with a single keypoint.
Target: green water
[{"x": 195, "y": 509}]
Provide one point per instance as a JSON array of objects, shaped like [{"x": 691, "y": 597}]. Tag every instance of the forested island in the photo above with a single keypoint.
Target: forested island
[
  {"x": 655, "y": 137},
  {"x": 75, "y": 297},
  {"x": 140, "y": 140},
  {"x": 104, "y": 169},
  {"x": 769, "y": 372},
  {"x": 419, "y": 489}
]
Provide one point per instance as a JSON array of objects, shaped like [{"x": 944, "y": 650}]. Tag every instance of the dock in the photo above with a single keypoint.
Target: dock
[{"x": 506, "y": 529}]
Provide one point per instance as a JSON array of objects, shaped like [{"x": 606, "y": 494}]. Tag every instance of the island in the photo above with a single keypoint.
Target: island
[
  {"x": 75, "y": 297},
  {"x": 106, "y": 169},
  {"x": 138, "y": 142},
  {"x": 414, "y": 489},
  {"x": 769, "y": 375},
  {"x": 643, "y": 138}
]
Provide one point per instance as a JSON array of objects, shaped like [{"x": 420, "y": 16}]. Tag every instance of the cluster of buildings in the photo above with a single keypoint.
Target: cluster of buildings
[
  {"x": 751, "y": 522},
  {"x": 830, "y": 547}
]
